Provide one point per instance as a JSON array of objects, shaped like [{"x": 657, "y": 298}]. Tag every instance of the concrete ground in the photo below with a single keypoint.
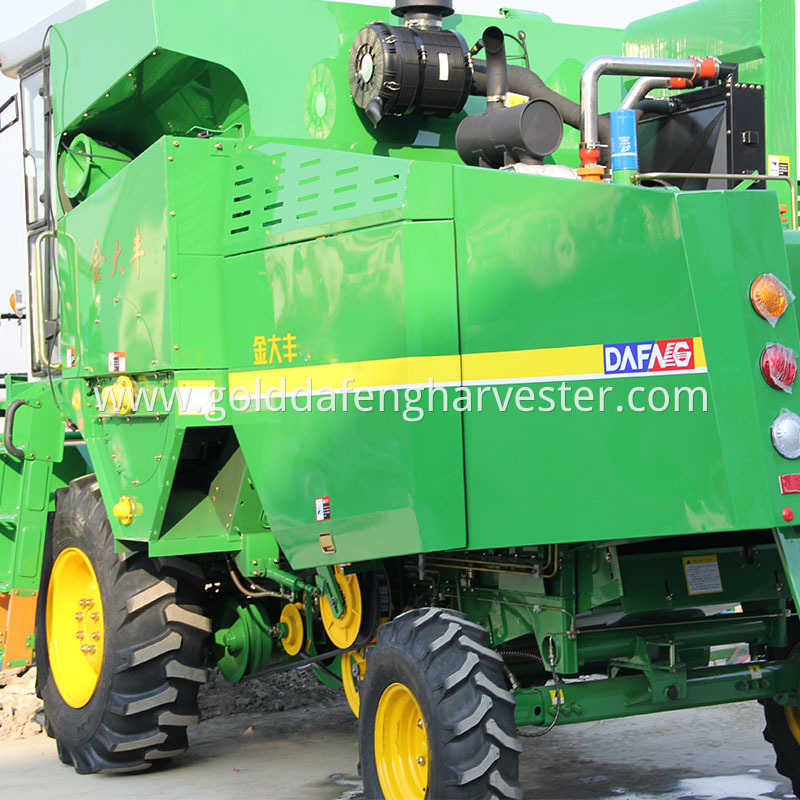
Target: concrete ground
[{"x": 705, "y": 754}]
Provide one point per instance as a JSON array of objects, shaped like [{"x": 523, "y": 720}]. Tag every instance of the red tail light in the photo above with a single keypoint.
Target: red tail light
[{"x": 779, "y": 366}]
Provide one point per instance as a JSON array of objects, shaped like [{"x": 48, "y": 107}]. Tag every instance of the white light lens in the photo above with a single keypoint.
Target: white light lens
[{"x": 786, "y": 434}]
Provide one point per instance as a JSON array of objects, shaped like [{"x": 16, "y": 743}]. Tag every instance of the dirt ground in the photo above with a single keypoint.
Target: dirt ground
[
  {"x": 286, "y": 738},
  {"x": 18, "y": 704}
]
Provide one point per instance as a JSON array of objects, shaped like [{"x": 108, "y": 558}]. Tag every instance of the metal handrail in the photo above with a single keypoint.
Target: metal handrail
[
  {"x": 638, "y": 177},
  {"x": 39, "y": 343}
]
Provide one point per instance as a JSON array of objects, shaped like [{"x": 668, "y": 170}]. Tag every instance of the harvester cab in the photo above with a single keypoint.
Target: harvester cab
[{"x": 448, "y": 356}]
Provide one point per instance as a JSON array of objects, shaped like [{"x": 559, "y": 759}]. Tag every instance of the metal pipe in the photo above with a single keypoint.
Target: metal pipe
[
  {"x": 626, "y": 65},
  {"x": 640, "y": 89},
  {"x": 728, "y": 176},
  {"x": 601, "y": 645}
]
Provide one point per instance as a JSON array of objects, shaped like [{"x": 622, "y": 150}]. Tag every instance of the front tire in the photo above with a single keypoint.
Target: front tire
[
  {"x": 436, "y": 720},
  {"x": 120, "y": 690}
]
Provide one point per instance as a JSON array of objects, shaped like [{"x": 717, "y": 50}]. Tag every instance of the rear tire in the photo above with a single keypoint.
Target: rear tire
[
  {"x": 153, "y": 636},
  {"x": 782, "y": 728},
  {"x": 433, "y": 683}
]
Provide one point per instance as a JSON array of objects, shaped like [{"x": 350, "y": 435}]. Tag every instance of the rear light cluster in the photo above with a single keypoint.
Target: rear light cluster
[
  {"x": 770, "y": 298},
  {"x": 779, "y": 366},
  {"x": 786, "y": 434}
]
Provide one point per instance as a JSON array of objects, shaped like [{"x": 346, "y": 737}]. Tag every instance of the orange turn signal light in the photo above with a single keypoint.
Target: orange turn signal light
[{"x": 769, "y": 297}]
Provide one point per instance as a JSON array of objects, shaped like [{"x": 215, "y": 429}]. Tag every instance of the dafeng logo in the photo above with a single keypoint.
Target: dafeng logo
[{"x": 662, "y": 355}]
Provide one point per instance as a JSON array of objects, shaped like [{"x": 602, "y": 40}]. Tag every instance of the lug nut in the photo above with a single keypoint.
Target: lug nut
[
  {"x": 95, "y": 635},
  {"x": 79, "y": 635},
  {"x": 79, "y": 616},
  {"x": 95, "y": 616},
  {"x": 421, "y": 760},
  {"x": 419, "y": 723}
]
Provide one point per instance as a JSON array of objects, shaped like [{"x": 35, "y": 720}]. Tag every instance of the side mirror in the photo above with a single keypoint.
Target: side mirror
[{"x": 7, "y": 116}]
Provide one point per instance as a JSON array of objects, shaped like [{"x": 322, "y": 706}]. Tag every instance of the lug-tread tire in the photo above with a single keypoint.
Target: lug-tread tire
[
  {"x": 458, "y": 681},
  {"x": 776, "y": 730},
  {"x": 153, "y": 652}
]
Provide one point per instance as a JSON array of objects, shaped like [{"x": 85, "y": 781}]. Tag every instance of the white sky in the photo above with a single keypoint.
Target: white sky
[{"x": 16, "y": 17}]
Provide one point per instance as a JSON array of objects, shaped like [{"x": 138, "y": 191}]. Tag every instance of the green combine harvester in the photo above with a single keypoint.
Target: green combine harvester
[{"x": 450, "y": 357}]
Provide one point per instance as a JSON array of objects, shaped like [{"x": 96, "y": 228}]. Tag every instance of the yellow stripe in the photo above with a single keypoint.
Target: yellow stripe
[
  {"x": 380, "y": 372},
  {"x": 699, "y": 353},
  {"x": 501, "y": 366},
  {"x": 582, "y": 360}
]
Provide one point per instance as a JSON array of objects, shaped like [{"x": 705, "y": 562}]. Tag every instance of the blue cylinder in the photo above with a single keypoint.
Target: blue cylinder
[{"x": 624, "y": 152}]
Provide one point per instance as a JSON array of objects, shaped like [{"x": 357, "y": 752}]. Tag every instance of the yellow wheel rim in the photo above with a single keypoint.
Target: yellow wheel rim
[
  {"x": 344, "y": 630},
  {"x": 401, "y": 745},
  {"x": 793, "y": 720},
  {"x": 354, "y": 666},
  {"x": 75, "y": 629},
  {"x": 290, "y": 617}
]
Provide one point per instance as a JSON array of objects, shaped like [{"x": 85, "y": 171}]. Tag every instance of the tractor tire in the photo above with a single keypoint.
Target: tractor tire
[
  {"x": 118, "y": 673},
  {"x": 436, "y": 720},
  {"x": 782, "y": 729}
]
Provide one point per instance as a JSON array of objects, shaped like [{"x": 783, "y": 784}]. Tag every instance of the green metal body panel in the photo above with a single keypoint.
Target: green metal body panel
[{"x": 266, "y": 235}]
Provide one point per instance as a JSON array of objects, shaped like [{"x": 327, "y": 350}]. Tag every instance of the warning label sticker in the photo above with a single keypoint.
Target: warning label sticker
[
  {"x": 557, "y": 697},
  {"x": 702, "y": 574},
  {"x": 323, "y": 508},
  {"x": 778, "y": 165},
  {"x": 116, "y": 361}
]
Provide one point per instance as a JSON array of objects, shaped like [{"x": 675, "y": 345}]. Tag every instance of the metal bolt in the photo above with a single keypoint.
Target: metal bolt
[
  {"x": 79, "y": 635},
  {"x": 174, "y": 347},
  {"x": 420, "y": 760},
  {"x": 79, "y": 616},
  {"x": 172, "y": 213},
  {"x": 170, "y": 158},
  {"x": 95, "y": 635},
  {"x": 176, "y": 143},
  {"x": 94, "y": 615},
  {"x": 173, "y": 276},
  {"x": 218, "y": 146},
  {"x": 419, "y": 723}
]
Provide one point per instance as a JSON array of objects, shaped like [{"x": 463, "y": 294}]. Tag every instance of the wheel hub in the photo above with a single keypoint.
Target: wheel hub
[
  {"x": 75, "y": 627},
  {"x": 401, "y": 745}
]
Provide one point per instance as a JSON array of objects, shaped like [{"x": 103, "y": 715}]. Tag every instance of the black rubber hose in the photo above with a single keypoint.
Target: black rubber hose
[{"x": 653, "y": 106}]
